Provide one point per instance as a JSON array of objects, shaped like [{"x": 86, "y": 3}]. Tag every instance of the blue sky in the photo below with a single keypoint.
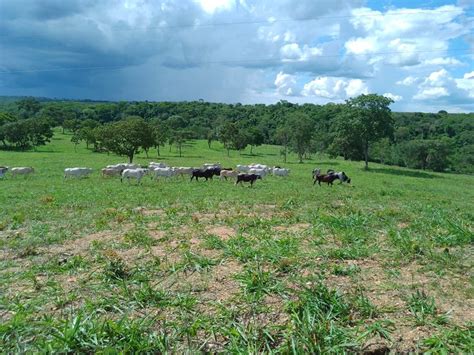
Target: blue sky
[{"x": 420, "y": 53}]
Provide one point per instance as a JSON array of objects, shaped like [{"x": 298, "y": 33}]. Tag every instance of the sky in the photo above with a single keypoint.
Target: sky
[{"x": 420, "y": 53}]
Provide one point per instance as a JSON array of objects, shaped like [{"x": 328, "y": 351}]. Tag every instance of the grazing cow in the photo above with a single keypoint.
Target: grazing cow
[
  {"x": 111, "y": 171},
  {"x": 77, "y": 172},
  {"x": 163, "y": 172},
  {"x": 247, "y": 178},
  {"x": 3, "y": 171},
  {"x": 243, "y": 168},
  {"x": 280, "y": 171},
  {"x": 22, "y": 171},
  {"x": 205, "y": 173},
  {"x": 133, "y": 174},
  {"x": 228, "y": 174},
  {"x": 343, "y": 177}
]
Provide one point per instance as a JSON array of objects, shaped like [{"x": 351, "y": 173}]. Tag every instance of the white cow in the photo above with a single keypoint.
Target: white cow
[
  {"x": 211, "y": 165},
  {"x": 124, "y": 166},
  {"x": 260, "y": 172},
  {"x": 162, "y": 172},
  {"x": 260, "y": 166},
  {"x": 77, "y": 172},
  {"x": 228, "y": 174},
  {"x": 280, "y": 171},
  {"x": 133, "y": 174},
  {"x": 157, "y": 165},
  {"x": 22, "y": 170},
  {"x": 243, "y": 168},
  {"x": 183, "y": 170}
]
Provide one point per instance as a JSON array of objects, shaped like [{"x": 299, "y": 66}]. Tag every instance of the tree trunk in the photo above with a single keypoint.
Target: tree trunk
[
  {"x": 251, "y": 149},
  {"x": 146, "y": 153},
  {"x": 130, "y": 158},
  {"x": 158, "y": 150},
  {"x": 179, "y": 147},
  {"x": 300, "y": 156},
  {"x": 209, "y": 143},
  {"x": 228, "y": 152},
  {"x": 366, "y": 154}
]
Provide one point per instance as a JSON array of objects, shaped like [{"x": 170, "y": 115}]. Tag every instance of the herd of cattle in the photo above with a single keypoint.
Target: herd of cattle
[{"x": 242, "y": 173}]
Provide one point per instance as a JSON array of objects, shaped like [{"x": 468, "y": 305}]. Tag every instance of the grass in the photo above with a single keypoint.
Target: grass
[{"x": 93, "y": 265}]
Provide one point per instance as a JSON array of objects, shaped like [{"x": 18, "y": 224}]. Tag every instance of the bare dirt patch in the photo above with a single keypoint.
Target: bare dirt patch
[
  {"x": 81, "y": 245},
  {"x": 149, "y": 211},
  {"x": 223, "y": 232}
]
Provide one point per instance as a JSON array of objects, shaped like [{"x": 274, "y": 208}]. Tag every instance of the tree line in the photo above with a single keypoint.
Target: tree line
[{"x": 363, "y": 128}]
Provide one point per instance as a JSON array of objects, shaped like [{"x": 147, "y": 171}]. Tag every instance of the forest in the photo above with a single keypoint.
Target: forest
[{"x": 362, "y": 128}]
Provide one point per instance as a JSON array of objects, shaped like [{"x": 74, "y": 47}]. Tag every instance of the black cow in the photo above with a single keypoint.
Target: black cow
[
  {"x": 247, "y": 178},
  {"x": 205, "y": 173}
]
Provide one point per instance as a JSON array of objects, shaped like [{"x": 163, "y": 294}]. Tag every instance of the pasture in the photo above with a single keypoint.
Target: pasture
[{"x": 171, "y": 265}]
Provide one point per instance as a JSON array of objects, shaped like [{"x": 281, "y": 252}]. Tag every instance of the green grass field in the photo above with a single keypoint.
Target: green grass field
[{"x": 93, "y": 265}]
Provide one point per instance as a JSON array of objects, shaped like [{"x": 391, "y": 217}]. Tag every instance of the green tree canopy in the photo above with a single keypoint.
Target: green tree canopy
[
  {"x": 366, "y": 119},
  {"x": 127, "y": 137}
]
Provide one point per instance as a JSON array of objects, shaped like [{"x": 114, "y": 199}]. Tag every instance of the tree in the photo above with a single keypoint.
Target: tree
[
  {"x": 179, "y": 137},
  {"x": 254, "y": 137},
  {"x": 29, "y": 106},
  {"x": 40, "y": 131},
  {"x": 282, "y": 136},
  {"x": 227, "y": 133},
  {"x": 301, "y": 128},
  {"x": 127, "y": 137},
  {"x": 210, "y": 136},
  {"x": 160, "y": 134},
  {"x": 367, "y": 118}
]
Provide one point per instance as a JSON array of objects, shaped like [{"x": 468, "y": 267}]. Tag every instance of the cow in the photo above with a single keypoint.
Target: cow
[
  {"x": 330, "y": 177},
  {"x": 183, "y": 170},
  {"x": 162, "y": 172},
  {"x": 133, "y": 174},
  {"x": 247, "y": 178},
  {"x": 258, "y": 171},
  {"x": 228, "y": 174},
  {"x": 124, "y": 166},
  {"x": 77, "y": 172},
  {"x": 157, "y": 165},
  {"x": 205, "y": 173},
  {"x": 111, "y": 171},
  {"x": 22, "y": 171},
  {"x": 243, "y": 168},
  {"x": 211, "y": 165},
  {"x": 259, "y": 166},
  {"x": 3, "y": 171},
  {"x": 280, "y": 171},
  {"x": 341, "y": 175}
]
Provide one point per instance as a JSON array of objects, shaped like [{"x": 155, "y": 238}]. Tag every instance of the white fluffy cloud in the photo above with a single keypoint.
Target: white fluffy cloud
[
  {"x": 409, "y": 80},
  {"x": 293, "y": 52},
  {"x": 393, "y": 96},
  {"x": 285, "y": 84},
  {"x": 335, "y": 88},
  {"x": 440, "y": 84}
]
